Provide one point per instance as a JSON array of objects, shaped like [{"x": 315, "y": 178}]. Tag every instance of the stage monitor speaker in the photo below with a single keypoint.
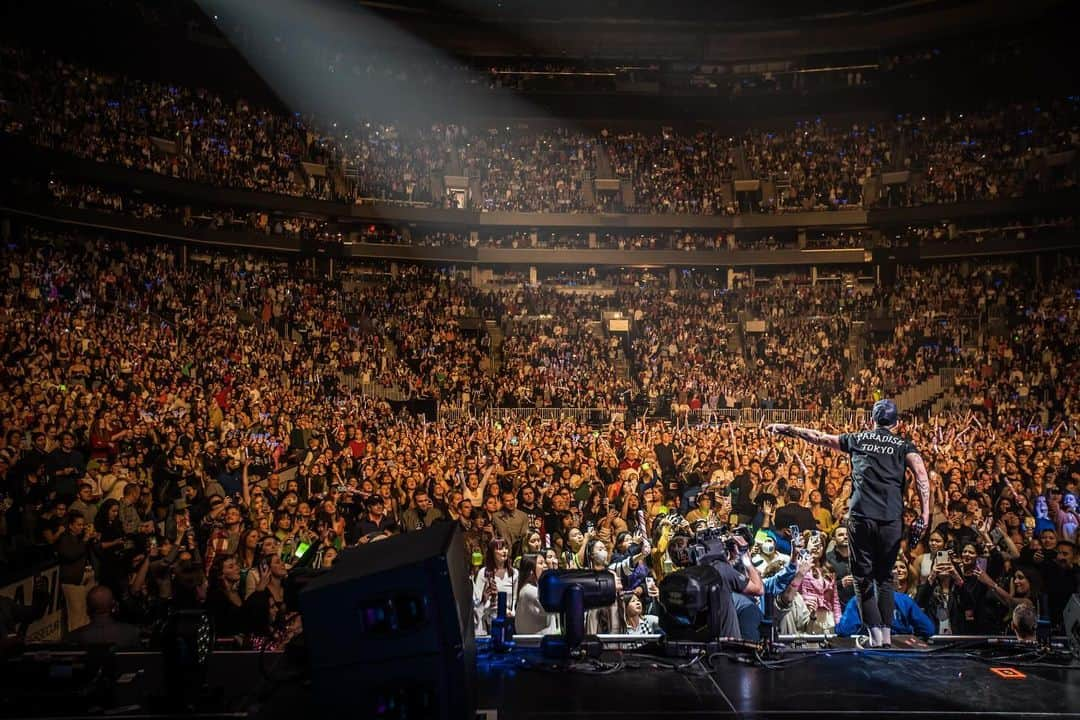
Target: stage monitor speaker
[{"x": 389, "y": 630}]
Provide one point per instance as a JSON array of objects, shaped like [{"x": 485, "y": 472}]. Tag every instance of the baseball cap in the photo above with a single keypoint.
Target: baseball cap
[{"x": 884, "y": 413}]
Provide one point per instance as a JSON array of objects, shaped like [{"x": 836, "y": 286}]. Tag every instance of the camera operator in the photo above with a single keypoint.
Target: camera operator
[{"x": 727, "y": 553}]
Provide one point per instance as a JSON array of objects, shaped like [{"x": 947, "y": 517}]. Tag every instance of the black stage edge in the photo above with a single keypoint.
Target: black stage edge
[
  {"x": 944, "y": 682},
  {"x": 875, "y": 684}
]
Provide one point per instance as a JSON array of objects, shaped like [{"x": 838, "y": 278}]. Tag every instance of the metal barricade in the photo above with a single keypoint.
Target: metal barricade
[
  {"x": 370, "y": 389},
  {"x": 592, "y": 416},
  {"x": 842, "y": 417}
]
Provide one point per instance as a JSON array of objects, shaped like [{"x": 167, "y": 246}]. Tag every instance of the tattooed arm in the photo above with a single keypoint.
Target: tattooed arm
[
  {"x": 815, "y": 437},
  {"x": 922, "y": 483}
]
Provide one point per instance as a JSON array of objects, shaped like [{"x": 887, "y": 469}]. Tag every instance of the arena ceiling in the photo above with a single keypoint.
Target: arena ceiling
[
  {"x": 693, "y": 30},
  {"x": 651, "y": 10}
]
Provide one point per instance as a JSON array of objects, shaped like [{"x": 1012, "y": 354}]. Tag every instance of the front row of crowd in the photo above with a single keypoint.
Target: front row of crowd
[{"x": 185, "y": 519}]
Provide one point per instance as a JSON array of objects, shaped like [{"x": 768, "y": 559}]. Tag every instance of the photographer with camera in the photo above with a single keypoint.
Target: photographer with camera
[{"x": 726, "y": 552}]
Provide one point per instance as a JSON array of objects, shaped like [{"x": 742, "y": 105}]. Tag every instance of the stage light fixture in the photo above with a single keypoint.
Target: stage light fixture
[
  {"x": 570, "y": 593},
  {"x": 690, "y": 601}
]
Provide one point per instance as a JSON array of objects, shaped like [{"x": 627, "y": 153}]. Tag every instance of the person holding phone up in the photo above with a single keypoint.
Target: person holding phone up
[
  {"x": 983, "y": 613},
  {"x": 939, "y": 596},
  {"x": 609, "y": 524}
]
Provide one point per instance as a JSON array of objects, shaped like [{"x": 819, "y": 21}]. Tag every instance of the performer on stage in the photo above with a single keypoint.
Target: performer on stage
[{"x": 879, "y": 460}]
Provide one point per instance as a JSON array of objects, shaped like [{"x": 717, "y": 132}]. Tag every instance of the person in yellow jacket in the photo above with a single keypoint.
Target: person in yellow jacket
[{"x": 660, "y": 562}]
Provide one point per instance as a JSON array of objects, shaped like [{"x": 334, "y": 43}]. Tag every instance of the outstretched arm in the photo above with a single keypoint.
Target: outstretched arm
[
  {"x": 245, "y": 486},
  {"x": 815, "y": 437}
]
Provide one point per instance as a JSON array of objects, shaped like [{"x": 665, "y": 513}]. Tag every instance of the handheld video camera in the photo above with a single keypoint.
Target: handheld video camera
[{"x": 720, "y": 544}]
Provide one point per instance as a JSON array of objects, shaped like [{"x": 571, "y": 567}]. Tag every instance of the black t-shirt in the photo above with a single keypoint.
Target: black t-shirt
[
  {"x": 674, "y": 487},
  {"x": 260, "y": 465},
  {"x": 72, "y": 552},
  {"x": 956, "y": 539},
  {"x": 74, "y": 466},
  {"x": 1060, "y": 584},
  {"x": 841, "y": 567},
  {"x": 878, "y": 462},
  {"x": 665, "y": 456},
  {"x": 364, "y": 525},
  {"x": 794, "y": 514},
  {"x": 742, "y": 488},
  {"x": 228, "y": 618}
]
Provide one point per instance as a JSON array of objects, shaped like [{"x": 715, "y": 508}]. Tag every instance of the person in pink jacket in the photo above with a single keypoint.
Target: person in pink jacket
[{"x": 818, "y": 588}]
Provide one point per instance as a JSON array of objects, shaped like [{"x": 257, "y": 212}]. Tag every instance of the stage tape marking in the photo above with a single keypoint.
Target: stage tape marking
[{"x": 1008, "y": 673}]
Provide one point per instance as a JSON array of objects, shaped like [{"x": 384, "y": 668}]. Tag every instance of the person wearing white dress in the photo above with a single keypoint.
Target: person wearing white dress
[
  {"x": 497, "y": 575},
  {"x": 530, "y": 618}
]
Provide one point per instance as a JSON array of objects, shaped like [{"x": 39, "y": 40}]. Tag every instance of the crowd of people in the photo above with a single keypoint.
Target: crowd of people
[
  {"x": 194, "y": 134},
  {"x": 679, "y": 240},
  {"x": 176, "y": 435},
  {"x": 978, "y": 232},
  {"x": 811, "y": 166},
  {"x": 139, "y": 205},
  {"x": 94, "y": 197},
  {"x": 988, "y": 156},
  {"x": 553, "y": 240},
  {"x": 939, "y": 311},
  {"x": 938, "y": 317},
  {"x": 555, "y": 361},
  {"x": 160, "y": 128}
]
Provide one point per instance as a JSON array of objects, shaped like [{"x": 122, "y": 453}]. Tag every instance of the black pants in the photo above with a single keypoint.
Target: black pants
[{"x": 874, "y": 547}]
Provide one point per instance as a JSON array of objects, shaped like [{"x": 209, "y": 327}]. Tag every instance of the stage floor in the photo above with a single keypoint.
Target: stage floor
[
  {"x": 520, "y": 686},
  {"x": 876, "y": 684}
]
